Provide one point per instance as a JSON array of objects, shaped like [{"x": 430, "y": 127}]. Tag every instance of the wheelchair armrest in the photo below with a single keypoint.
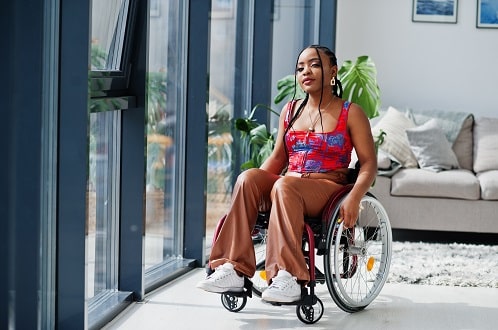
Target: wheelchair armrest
[{"x": 352, "y": 174}]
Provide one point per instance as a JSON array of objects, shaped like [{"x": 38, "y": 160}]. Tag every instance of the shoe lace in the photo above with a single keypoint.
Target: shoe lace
[
  {"x": 281, "y": 283},
  {"x": 219, "y": 273}
]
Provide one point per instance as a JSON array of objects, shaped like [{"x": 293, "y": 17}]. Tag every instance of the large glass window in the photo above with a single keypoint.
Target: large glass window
[
  {"x": 165, "y": 134},
  {"x": 222, "y": 75},
  {"x": 103, "y": 203},
  {"x": 109, "y": 20}
]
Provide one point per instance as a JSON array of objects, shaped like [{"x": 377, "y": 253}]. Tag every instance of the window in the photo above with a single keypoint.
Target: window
[
  {"x": 165, "y": 137},
  {"x": 103, "y": 203},
  {"x": 222, "y": 48},
  {"x": 110, "y": 34},
  {"x": 109, "y": 18}
]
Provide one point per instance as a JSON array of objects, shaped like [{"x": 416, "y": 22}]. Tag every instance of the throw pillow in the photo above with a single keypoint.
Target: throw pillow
[
  {"x": 383, "y": 160},
  {"x": 431, "y": 147},
  {"x": 394, "y": 123},
  {"x": 464, "y": 144},
  {"x": 485, "y": 144}
]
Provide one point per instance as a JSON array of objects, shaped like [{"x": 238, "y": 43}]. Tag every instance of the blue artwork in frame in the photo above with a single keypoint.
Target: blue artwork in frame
[
  {"x": 487, "y": 14},
  {"x": 438, "y": 11}
]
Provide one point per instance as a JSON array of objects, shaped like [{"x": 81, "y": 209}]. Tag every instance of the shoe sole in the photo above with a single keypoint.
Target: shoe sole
[
  {"x": 219, "y": 290},
  {"x": 280, "y": 299}
]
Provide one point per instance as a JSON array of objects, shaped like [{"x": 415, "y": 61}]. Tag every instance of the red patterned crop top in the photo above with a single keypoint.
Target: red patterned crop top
[{"x": 319, "y": 152}]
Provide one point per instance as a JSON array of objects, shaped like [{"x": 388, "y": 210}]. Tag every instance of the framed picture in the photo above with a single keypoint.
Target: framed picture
[
  {"x": 487, "y": 14},
  {"x": 438, "y": 11}
]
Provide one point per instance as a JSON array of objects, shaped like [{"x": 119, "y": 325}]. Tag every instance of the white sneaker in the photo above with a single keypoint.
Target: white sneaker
[
  {"x": 283, "y": 288},
  {"x": 224, "y": 279}
]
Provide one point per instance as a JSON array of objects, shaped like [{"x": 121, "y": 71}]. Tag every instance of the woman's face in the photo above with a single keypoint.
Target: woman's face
[{"x": 309, "y": 72}]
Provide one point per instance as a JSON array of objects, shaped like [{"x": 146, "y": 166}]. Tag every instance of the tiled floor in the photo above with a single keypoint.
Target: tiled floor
[{"x": 179, "y": 305}]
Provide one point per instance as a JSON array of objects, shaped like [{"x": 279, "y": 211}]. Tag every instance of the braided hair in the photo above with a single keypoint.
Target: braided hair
[{"x": 336, "y": 89}]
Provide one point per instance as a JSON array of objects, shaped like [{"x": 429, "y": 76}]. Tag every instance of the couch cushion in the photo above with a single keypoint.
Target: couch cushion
[
  {"x": 489, "y": 185},
  {"x": 394, "y": 123},
  {"x": 485, "y": 144},
  {"x": 461, "y": 184},
  {"x": 464, "y": 144},
  {"x": 431, "y": 147}
]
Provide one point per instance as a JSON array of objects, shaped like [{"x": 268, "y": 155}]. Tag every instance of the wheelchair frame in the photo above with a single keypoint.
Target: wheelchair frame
[{"x": 350, "y": 257}]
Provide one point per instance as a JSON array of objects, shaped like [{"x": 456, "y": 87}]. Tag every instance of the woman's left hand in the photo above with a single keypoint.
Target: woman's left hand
[{"x": 349, "y": 211}]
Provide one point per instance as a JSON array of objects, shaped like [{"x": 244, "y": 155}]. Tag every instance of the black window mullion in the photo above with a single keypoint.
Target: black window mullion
[
  {"x": 261, "y": 75},
  {"x": 72, "y": 162},
  {"x": 132, "y": 204},
  {"x": 196, "y": 139},
  {"x": 328, "y": 21}
]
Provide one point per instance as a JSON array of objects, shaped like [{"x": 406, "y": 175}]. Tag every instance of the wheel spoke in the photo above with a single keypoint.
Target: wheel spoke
[{"x": 358, "y": 261}]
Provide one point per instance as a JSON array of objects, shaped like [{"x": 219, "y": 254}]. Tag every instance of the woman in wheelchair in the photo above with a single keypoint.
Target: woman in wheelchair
[{"x": 315, "y": 139}]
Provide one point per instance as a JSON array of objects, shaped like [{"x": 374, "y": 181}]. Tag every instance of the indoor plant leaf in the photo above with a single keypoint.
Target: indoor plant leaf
[
  {"x": 359, "y": 83},
  {"x": 285, "y": 87}
]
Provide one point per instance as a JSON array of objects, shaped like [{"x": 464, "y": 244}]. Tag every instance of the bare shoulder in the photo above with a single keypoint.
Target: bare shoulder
[
  {"x": 290, "y": 106},
  {"x": 356, "y": 115}
]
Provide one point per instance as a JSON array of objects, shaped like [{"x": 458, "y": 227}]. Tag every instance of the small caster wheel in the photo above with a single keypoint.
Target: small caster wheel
[
  {"x": 232, "y": 302},
  {"x": 310, "y": 314}
]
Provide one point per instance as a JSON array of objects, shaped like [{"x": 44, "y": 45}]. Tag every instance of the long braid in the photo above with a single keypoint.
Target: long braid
[
  {"x": 299, "y": 110},
  {"x": 336, "y": 89}
]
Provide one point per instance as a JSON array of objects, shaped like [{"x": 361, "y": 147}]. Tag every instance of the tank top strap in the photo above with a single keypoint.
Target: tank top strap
[
  {"x": 345, "y": 111},
  {"x": 346, "y": 105},
  {"x": 290, "y": 109},
  {"x": 342, "y": 122}
]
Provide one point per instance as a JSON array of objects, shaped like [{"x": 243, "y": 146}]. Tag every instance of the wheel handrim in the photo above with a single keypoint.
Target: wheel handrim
[{"x": 368, "y": 252}]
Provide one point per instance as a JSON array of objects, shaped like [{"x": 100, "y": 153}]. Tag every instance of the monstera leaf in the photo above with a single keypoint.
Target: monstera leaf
[
  {"x": 285, "y": 87},
  {"x": 359, "y": 82}
]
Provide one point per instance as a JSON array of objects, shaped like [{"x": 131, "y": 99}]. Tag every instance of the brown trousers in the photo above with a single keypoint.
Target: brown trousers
[{"x": 289, "y": 198}]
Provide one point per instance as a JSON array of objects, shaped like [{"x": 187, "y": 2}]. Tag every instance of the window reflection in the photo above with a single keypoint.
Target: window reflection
[
  {"x": 221, "y": 100},
  {"x": 165, "y": 113},
  {"x": 108, "y": 31},
  {"x": 103, "y": 202}
]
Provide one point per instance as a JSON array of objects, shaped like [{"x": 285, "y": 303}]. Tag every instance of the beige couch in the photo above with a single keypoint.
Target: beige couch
[{"x": 438, "y": 171}]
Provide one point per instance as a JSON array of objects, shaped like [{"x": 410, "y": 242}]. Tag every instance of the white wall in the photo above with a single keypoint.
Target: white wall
[{"x": 451, "y": 67}]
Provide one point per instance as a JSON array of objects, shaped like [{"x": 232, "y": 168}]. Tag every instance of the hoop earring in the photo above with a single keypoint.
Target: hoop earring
[{"x": 332, "y": 81}]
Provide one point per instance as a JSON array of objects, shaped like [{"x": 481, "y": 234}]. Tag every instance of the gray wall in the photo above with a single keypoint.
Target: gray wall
[{"x": 451, "y": 67}]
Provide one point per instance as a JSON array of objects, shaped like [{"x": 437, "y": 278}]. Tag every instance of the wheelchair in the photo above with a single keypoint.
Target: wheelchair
[{"x": 356, "y": 261}]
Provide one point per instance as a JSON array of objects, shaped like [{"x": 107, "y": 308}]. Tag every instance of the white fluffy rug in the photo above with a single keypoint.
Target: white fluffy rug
[{"x": 444, "y": 264}]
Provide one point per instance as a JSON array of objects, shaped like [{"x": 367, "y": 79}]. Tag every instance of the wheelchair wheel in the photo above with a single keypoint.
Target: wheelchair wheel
[
  {"x": 357, "y": 260},
  {"x": 232, "y": 302},
  {"x": 259, "y": 283},
  {"x": 308, "y": 313}
]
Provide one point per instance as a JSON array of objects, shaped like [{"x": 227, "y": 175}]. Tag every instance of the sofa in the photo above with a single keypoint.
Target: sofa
[{"x": 438, "y": 170}]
